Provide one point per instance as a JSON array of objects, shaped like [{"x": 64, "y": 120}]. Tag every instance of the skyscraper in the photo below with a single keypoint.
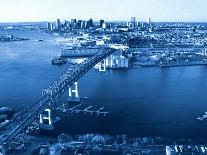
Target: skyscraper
[
  {"x": 49, "y": 26},
  {"x": 83, "y": 24},
  {"x": 78, "y": 24},
  {"x": 58, "y": 24},
  {"x": 133, "y": 22},
  {"x": 150, "y": 21},
  {"x": 104, "y": 25},
  {"x": 101, "y": 23},
  {"x": 89, "y": 23}
]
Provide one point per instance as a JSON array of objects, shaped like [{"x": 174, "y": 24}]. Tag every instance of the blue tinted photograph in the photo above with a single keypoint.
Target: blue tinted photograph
[{"x": 103, "y": 77}]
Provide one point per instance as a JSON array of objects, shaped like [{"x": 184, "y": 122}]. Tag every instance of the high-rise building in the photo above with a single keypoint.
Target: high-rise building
[
  {"x": 130, "y": 25},
  {"x": 52, "y": 26},
  {"x": 101, "y": 23},
  {"x": 89, "y": 23},
  {"x": 78, "y": 24},
  {"x": 58, "y": 24},
  {"x": 133, "y": 22},
  {"x": 150, "y": 21},
  {"x": 83, "y": 24},
  {"x": 49, "y": 26},
  {"x": 104, "y": 25},
  {"x": 73, "y": 23}
]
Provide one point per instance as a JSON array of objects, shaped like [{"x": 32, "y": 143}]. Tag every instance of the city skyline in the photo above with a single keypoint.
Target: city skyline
[{"x": 49, "y": 10}]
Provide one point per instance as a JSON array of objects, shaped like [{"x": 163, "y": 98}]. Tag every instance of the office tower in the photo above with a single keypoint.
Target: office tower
[
  {"x": 89, "y": 23},
  {"x": 49, "y": 26},
  {"x": 150, "y": 21},
  {"x": 130, "y": 25},
  {"x": 78, "y": 24},
  {"x": 101, "y": 23},
  {"x": 65, "y": 23},
  {"x": 58, "y": 24},
  {"x": 73, "y": 23},
  {"x": 133, "y": 22},
  {"x": 83, "y": 24},
  {"x": 52, "y": 26},
  {"x": 104, "y": 25}
]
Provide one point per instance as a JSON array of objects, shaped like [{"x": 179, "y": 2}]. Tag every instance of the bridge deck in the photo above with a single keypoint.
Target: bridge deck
[{"x": 50, "y": 95}]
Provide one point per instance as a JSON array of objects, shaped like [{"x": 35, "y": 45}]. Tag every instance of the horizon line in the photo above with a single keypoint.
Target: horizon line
[{"x": 49, "y": 21}]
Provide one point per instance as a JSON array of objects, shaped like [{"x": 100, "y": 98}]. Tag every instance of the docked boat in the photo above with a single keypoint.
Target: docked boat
[
  {"x": 6, "y": 115},
  {"x": 59, "y": 61}
]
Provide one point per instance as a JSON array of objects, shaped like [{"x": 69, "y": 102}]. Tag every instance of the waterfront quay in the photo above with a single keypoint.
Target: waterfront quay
[{"x": 149, "y": 43}]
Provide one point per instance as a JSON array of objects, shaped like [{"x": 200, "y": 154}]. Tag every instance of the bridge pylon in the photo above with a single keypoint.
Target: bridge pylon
[{"x": 73, "y": 95}]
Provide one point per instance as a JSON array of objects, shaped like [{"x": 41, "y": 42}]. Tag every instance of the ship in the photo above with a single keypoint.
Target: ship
[
  {"x": 6, "y": 114},
  {"x": 59, "y": 61},
  {"x": 79, "y": 52},
  {"x": 202, "y": 117}
]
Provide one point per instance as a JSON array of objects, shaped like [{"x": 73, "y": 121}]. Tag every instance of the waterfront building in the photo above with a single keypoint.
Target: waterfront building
[
  {"x": 49, "y": 26},
  {"x": 133, "y": 22},
  {"x": 104, "y": 25}
]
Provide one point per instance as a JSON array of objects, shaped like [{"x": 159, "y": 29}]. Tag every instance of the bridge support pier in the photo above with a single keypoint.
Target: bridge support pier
[
  {"x": 46, "y": 117},
  {"x": 46, "y": 120},
  {"x": 73, "y": 95},
  {"x": 102, "y": 65}
]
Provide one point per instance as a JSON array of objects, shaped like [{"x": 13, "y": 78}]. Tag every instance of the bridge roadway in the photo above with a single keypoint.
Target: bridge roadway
[{"x": 50, "y": 95}]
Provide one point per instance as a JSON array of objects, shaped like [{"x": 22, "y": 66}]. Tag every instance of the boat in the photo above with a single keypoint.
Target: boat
[
  {"x": 6, "y": 115},
  {"x": 3, "y": 124},
  {"x": 40, "y": 40},
  {"x": 59, "y": 61},
  {"x": 5, "y": 110},
  {"x": 202, "y": 117}
]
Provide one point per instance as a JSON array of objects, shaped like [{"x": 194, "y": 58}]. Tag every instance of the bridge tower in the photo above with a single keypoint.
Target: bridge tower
[{"x": 73, "y": 95}]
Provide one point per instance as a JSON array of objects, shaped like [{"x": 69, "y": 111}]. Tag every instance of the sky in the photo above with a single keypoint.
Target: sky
[{"x": 49, "y": 10}]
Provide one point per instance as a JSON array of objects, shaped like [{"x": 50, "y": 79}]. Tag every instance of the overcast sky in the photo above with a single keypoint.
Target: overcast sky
[{"x": 49, "y": 10}]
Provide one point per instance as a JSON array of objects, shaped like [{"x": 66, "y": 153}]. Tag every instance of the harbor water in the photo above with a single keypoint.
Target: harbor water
[{"x": 142, "y": 102}]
